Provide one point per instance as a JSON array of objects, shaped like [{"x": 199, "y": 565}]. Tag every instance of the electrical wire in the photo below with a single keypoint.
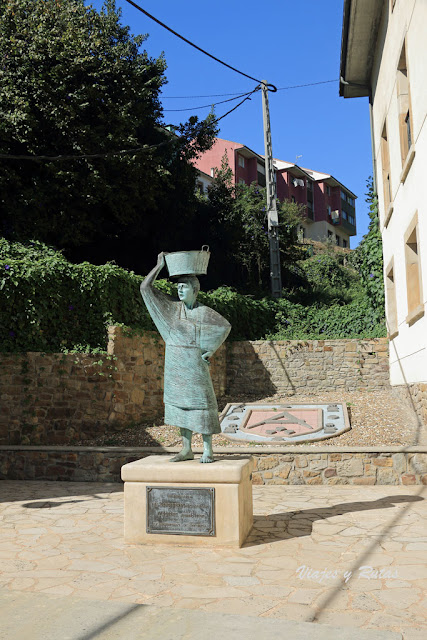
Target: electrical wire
[
  {"x": 241, "y": 95},
  {"x": 308, "y": 84},
  {"x": 248, "y": 97},
  {"x": 220, "y": 95},
  {"x": 5, "y": 156},
  {"x": 162, "y": 24}
]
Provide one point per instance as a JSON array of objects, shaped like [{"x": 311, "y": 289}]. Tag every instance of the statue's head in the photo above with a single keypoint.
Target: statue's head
[{"x": 188, "y": 288}]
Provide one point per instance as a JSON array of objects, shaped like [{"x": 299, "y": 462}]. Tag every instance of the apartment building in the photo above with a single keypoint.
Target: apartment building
[
  {"x": 384, "y": 57},
  {"x": 329, "y": 206}
]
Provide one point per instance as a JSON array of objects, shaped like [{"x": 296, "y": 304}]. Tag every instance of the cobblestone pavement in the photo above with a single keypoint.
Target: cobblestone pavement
[{"x": 301, "y": 562}]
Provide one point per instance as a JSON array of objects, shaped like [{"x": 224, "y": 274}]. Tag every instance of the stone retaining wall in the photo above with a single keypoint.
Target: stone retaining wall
[
  {"x": 364, "y": 468},
  {"x": 292, "y": 366},
  {"x": 417, "y": 396},
  {"x": 60, "y": 399},
  {"x": 358, "y": 465}
]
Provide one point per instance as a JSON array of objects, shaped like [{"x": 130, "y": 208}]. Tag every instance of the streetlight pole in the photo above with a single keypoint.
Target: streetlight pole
[{"x": 272, "y": 217}]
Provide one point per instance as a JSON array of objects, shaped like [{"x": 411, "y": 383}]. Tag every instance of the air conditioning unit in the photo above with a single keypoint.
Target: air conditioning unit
[{"x": 297, "y": 182}]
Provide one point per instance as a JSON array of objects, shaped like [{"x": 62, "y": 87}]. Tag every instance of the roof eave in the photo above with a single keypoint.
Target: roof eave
[{"x": 361, "y": 20}]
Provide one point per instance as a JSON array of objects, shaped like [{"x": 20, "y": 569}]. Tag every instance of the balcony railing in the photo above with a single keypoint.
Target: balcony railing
[{"x": 347, "y": 226}]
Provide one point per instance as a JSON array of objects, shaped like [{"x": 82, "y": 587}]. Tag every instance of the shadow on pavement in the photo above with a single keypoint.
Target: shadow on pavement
[
  {"x": 38, "y": 494},
  {"x": 296, "y": 524}
]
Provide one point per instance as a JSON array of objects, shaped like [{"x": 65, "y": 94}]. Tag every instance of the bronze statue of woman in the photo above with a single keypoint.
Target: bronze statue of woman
[{"x": 192, "y": 333}]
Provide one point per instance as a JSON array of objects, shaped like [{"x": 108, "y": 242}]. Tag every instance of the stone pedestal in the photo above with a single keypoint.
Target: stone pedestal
[{"x": 164, "y": 504}]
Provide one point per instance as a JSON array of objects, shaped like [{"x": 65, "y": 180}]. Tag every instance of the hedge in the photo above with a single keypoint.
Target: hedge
[{"x": 49, "y": 304}]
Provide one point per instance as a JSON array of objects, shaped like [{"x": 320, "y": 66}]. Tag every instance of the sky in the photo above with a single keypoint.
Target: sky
[{"x": 286, "y": 43}]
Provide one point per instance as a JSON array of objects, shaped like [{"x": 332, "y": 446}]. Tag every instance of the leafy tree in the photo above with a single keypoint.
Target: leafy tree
[
  {"x": 253, "y": 251},
  {"x": 368, "y": 257},
  {"x": 233, "y": 220},
  {"x": 74, "y": 81}
]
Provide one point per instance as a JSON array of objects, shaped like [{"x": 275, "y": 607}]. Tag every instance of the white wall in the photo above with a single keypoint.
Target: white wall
[{"x": 408, "y": 351}]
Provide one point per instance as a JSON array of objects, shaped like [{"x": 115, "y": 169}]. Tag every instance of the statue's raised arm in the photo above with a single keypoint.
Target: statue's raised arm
[{"x": 149, "y": 280}]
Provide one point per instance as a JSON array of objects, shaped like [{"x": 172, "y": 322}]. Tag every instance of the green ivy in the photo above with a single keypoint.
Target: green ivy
[
  {"x": 368, "y": 257},
  {"x": 51, "y": 305}
]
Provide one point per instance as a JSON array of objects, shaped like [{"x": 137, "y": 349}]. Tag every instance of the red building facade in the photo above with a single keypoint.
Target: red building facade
[{"x": 330, "y": 206}]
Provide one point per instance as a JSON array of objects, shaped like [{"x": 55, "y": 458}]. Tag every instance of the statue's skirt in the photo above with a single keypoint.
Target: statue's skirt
[{"x": 203, "y": 421}]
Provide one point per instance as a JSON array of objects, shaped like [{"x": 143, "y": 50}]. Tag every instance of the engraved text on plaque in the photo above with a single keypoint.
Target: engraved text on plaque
[{"x": 181, "y": 511}]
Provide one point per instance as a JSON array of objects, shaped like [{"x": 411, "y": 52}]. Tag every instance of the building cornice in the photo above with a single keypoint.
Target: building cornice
[{"x": 361, "y": 20}]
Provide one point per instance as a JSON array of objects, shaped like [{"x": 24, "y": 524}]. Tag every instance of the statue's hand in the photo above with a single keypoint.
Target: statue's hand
[
  {"x": 206, "y": 356},
  {"x": 161, "y": 259}
]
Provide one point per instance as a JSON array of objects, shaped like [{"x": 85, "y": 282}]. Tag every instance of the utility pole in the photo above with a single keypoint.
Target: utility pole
[{"x": 272, "y": 217}]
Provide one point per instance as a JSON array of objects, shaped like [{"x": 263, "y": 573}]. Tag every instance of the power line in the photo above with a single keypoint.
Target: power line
[
  {"x": 241, "y": 95},
  {"x": 308, "y": 84},
  {"x": 220, "y": 95},
  {"x": 248, "y": 97},
  {"x": 33, "y": 158},
  {"x": 162, "y": 24},
  {"x": 5, "y": 156}
]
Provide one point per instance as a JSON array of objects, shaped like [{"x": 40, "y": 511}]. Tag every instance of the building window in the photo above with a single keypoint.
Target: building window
[
  {"x": 200, "y": 187},
  {"x": 330, "y": 234},
  {"x": 404, "y": 106},
  {"x": 344, "y": 214},
  {"x": 293, "y": 198},
  {"x": 344, "y": 243},
  {"x": 351, "y": 220},
  {"x": 329, "y": 210},
  {"x": 385, "y": 160},
  {"x": 241, "y": 161},
  {"x": 337, "y": 240},
  {"x": 413, "y": 273},
  {"x": 390, "y": 292},
  {"x": 261, "y": 174},
  {"x": 241, "y": 181},
  {"x": 328, "y": 190}
]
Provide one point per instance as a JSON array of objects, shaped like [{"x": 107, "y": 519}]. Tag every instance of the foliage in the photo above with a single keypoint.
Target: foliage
[
  {"x": 49, "y": 304},
  {"x": 75, "y": 81},
  {"x": 368, "y": 257},
  {"x": 354, "y": 320},
  {"x": 326, "y": 270},
  {"x": 234, "y": 224},
  {"x": 253, "y": 251}
]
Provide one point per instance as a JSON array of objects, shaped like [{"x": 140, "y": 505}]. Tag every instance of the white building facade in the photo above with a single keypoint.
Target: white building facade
[{"x": 384, "y": 57}]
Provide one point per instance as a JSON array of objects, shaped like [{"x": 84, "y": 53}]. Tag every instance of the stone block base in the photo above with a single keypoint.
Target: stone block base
[{"x": 231, "y": 481}]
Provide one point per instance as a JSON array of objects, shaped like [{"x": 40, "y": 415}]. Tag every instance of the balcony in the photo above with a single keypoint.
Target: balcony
[{"x": 348, "y": 227}]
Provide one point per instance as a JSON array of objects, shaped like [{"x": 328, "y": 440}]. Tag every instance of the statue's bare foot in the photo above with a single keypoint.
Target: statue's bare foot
[
  {"x": 183, "y": 455},
  {"x": 206, "y": 458}
]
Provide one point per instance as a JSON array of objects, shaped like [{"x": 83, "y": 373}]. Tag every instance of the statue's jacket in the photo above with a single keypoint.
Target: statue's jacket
[{"x": 187, "y": 381}]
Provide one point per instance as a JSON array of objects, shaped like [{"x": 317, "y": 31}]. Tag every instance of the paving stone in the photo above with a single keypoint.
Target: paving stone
[{"x": 82, "y": 554}]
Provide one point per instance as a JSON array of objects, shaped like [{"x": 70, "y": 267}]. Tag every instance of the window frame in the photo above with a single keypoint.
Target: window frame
[
  {"x": 414, "y": 284},
  {"x": 391, "y": 301}
]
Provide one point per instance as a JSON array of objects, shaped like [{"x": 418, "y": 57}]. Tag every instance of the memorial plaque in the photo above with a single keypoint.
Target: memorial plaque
[{"x": 181, "y": 511}]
